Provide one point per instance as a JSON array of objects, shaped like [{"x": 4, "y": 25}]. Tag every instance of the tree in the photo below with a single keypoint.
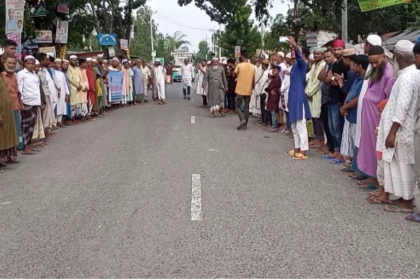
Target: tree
[
  {"x": 203, "y": 51},
  {"x": 176, "y": 41}
]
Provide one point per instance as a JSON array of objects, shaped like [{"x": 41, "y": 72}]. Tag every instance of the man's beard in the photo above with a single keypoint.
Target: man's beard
[
  {"x": 396, "y": 68},
  {"x": 378, "y": 73},
  {"x": 215, "y": 67},
  {"x": 9, "y": 70}
]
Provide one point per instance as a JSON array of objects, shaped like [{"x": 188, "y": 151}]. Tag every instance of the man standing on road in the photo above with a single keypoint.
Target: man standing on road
[
  {"x": 169, "y": 72},
  {"x": 298, "y": 104},
  {"x": 63, "y": 93},
  {"x": 245, "y": 73},
  {"x": 48, "y": 113},
  {"x": 187, "y": 76},
  {"x": 145, "y": 71},
  {"x": 159, "y": 81},
  {"x": 138, "y": 83},
  {"x": 215, "y": 84},
  {"x": 202, "y": 69},
  {"x": 75, "y": 87}
]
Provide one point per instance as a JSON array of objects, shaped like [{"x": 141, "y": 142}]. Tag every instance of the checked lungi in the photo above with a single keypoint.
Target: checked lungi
[{"x": 29, "y": 114}]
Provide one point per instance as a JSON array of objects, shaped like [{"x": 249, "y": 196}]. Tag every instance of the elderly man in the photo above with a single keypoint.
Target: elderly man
[
  {"x": 147, "y": 76},
  {"x": 138, "y": 83},
  {"x": 187, "y": 76},
  {"x": 215, "y": 84},
  {"x": 75, "y": 87},
  {"x": 313, "y": 92},
  {"x": 63, "y": 93},
  {"x": 396, "y": 131},
  {"x": 159, "y": 82}
]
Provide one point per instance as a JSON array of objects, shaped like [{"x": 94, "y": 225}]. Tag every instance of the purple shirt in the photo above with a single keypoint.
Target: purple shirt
[{"x": 376, "y": 92}]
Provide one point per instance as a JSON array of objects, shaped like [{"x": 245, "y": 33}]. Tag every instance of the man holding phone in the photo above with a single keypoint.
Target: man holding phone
[{"x": 336, "y": 98}]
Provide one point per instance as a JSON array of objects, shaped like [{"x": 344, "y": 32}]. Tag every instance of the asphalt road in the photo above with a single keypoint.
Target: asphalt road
[{"x": 112, "y": 199}]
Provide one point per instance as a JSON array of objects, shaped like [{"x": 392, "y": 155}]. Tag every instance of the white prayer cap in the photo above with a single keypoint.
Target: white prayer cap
[
  {"x": 311, "y": 57},
  {"x": 125, "y": 60},
  {"x": 404, "y": 46},
  {"x": 73, "y": 57},
  {"x": 374, "y": 40},
  {"x": 94, "y": 60},
  {"x": 36, "y": 61},
  {"x": 224, "y": 62},
  {"x": 281, "y": 54},
  {"x": 115, "y": 59},
  {"x": 88, "y": 59},
  {"x": 105, "y": 60},
  {"x": 65, "y": 60},
  {"x": 289, "y": 55},
  {"x": 30, "y": 57},
  {"x": 100, "y": 55},
  {"x": 215, "y": 59},
  {"x": 57, "y": 60}
]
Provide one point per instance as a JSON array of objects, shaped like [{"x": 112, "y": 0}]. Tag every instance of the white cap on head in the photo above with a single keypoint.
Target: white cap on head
[
  {"x": 311, "y": 57},
  {"x": 100, "y": 55},
  {"x": 404, "y": 46},
  {"x": 289, "y": 55},
  {"x": 374, "y": 40},
  {"x": 94, "y": 60},
  {"x": 105, "y": 60},
  {"x": 115, "y": 59},
  {"x": 30, "y": 57},
  {"x": 125, "y": 60},
  {"x": 36, "y": 61},
  {"x": 88, "y": 59},
  {"x": 281, "y": 54},
  {"x": 73, "y": 57},
  {"x": 65, "y": 60},
  {"x": 57, "y": 60},
  {"x": 215, "y": 59}
]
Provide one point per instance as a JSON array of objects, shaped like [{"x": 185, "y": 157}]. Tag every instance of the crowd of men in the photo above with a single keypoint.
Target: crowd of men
[
  {"x": 48, "y": 93},
  {"x": 358, "y": 110}
]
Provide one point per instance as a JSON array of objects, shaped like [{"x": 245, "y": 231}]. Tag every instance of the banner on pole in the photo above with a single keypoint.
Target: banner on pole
[
  {"x": 116, "y": 86},
  {"x": 15, "y": 10},
  {"x": 62, "y": 32},
  {"x": 369, "y": 5},
  {"x": 124, "y": 44},
  {"x": 237, "y": 51}
]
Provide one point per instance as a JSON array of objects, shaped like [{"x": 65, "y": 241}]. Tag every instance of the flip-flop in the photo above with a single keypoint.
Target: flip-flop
[
  {"x": 374, "y": 200},
  {"x": 396, "y": 209},
  {"x": 327, "y": 157},
  {"x": 300, "y": 156},
  {"x": 290, "y": 153},
  {"x": 415, "y": 218},
  {"x": 368, "y": 186},
  {"x": 335, "y": 161},
  {"x": 358, "y": 177},
  {"x": 346, "y": 169}
]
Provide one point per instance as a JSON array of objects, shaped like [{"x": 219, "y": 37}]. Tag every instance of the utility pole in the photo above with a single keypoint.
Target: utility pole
[
  {"x": 151, "y": 36},
  {"x": 344, "y": 28},
  {"x": 220, "y": 41}
]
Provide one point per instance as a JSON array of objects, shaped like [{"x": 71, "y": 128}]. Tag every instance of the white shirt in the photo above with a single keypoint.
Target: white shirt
[
  {"x": 187, "y": 71},
  {"x": 145, "y": 71},
  {"x": 401, "y": 108},
  {"x": 28, "y": 84},
  {"x": 284, "y": 89},
  {"x": 283, "y": 68}
]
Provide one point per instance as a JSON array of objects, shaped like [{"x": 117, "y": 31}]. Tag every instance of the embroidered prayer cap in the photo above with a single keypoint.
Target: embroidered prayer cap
[
  {"x": 73, "y": 57},
  {"x": 281, "y": 54},
  {"x": 57, "y": 60},
  {"x": 404, "y": 46},
  {"x": 30, "y": 57},
  {"x": 338, "y": 43},
  {"x": 374, "y": 40},
  {"x": 349, "y": 52},
  {"x": 320, "y": 49}
]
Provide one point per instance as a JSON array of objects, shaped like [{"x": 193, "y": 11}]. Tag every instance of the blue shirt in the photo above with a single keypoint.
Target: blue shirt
[{"x": 354, "y": 92}]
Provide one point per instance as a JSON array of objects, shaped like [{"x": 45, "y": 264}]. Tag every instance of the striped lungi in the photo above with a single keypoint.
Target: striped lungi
[
  {"x": 16, "y": 114},
  {"x": 29, "y": 114},
  {"x": 347, "y": 140}
]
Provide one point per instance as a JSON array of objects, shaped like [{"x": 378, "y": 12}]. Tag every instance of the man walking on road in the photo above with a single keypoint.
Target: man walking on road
[
  {"x": 159, "y": 82},
  {"x": 187, "y": 76},
  {"x": 215, "y": 84},
  {"x": 245, "y": 73}
]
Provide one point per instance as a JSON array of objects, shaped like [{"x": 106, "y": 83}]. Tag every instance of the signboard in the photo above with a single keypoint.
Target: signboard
[
  {"x": 111, "y": 52},
  {"x": 107, "y": 39},
  {"x": 63, "y": 50},
  {"x": 48, "y": 50},
  {"x": 30, "y": 44},
  {"x": 237, "y": 51},
  {"x": 17, "y": 37},
  {"x": 43, "y": 36},
  {"x": 38, "y": 9},
  {"x": 14, "y": 16},
  {"x": 311, "y": 39},
  {"x": 124, "y": 44},
  {"x": 369, "y": 5},
  {"x": 62, "y": 32},
  {"x": 116, "y": 86},
  {"x": 161, "y": 60},
  {"x": 63, "y": 8}
]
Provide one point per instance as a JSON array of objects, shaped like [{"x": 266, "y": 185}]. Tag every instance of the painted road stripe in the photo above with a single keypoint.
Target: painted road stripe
[
  {"x": 196, "y": 214},
  {"x": 192, "y": 119}
]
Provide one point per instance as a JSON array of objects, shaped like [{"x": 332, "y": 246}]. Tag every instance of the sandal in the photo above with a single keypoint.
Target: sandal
[
  {"x": 396, "y": 209},
  {"x": 375, "y": 200},
  {"x": 346, "y": 169},
  {"x": 335, "y": 161},
  {"x": 413, "y": 218},
  {"x": 300, "y": 156},
  {"x": 357, "y": 176},
  {"x": 30, "y": 153},
  {"x": 290, "y": 153}
]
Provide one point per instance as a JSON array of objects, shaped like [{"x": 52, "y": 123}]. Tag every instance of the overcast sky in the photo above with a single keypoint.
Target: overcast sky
[{"x": 192, "y": 21}]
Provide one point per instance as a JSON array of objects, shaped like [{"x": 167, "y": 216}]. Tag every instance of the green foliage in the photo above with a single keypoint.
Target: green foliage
[{"x": 203, "y": 51}]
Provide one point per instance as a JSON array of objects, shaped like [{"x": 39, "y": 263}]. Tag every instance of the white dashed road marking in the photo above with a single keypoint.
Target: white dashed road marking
[
  {"x": 192, "y": 119},
  {"x": 196, "y": 214}
]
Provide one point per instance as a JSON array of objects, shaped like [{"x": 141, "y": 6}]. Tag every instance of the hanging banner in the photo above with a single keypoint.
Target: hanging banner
[
  {"x": 124, "y": 44},
  {"x": 63, "y": 50},
  {"x": 237, "y": 51},
  {"x": 17, "y": 37},
  {"x": 111, "y": 52},
  {"x": 38, "y": 9},
  {"x": 62, "y": 32},
  {"x": 107, "y": 39},
  {"x": 47, "y": 50},
  {"x": 15, "y": 10},
  {"x": 43, "y": 36},
  {"x": 311, "y": 39},
  {"x": 116, "y": 86},
  {"x": 369, "y": 5},
  {"x": 63, "y": 8}
]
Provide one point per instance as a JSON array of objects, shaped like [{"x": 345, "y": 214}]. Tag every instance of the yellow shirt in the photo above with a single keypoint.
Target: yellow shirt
[{"x": 246, "y": 74}]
